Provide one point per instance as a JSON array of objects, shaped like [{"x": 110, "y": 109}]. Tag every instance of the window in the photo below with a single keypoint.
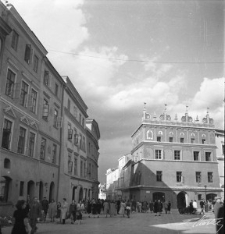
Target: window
[
  {"x": 199, "y": 197},
  {"x": 203, "y": 141},
  {"x": 31, "y": 143},
  {"x": 158, "y": 154},
  {"x": 75, "y": 111},
  {"x": 10, "y": 83},
  {"x": 21, "y": 142},
  {"x": 158, "y": 138},
  {"x": 210, "y": 177},
  {"x": 83, "y": 143},
  {"x": 33, "y": 101},
  {"x": 81, "y": 168},
  {"x": 56, "y": 113},
  {"x": 4, "y": 188},
  {"x": 7, "y": 163},
  {"x": 196, "y": 156},
  {"x": 75, "y": 166},
  {"x": 68, "y": 105},
  {"x": 80, "y": 138},
  {"x": 70, "y": 132},
  {"x": 198, "y": 177},
  {"x": 24, "y": 94},
  {"x": 27, "y": 55},
  {"x": 170, "y": 139},
  {"x": 176, "y": 154},
  {"x": 45, "y": 110},
  {"x": 6, "y": 135},
  {"x": 181, "y": 140},
  {"x": 21, "y": 188},
  {"x": 207, "y": 156},
  {"x": 56, "y": 90},
  {"x": 36, "y": 61},
  {"x": 179, "y": 176},
  {"x": 46, "y": 78},
  {"x": 84, "y": 169},
  {"x": 158, "y": 175},
  {"x": 70, "y": 163},
  {"x": 75, "y": 137},
  {"x": 54, "y": 151},
  {"x": 223, "y": 149},
  {"x": 192, "y": 140},
  {"x": 43, "y": 147},
  {"x": 15, "y": 39}
]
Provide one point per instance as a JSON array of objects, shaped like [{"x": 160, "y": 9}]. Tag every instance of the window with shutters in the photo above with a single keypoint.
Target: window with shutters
[
  {"x": 27, "y": 56},
  {"x": 24, "y": 94},
  {"x": 6, "y": 134},
  {"x": 21, "y": 142},
  {"x": 36, "y": 62},
  {"x": 31, "y": 145},
  {"x": 45, "y": 111},
  {"x": 43, "y": 148},
  {"x": 10, "y": 83},
  {"x": 15, "y": 39}
]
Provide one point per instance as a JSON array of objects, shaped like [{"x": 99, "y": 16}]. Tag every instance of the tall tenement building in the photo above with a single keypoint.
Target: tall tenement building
[
  {"x": 173, "y": 160},
  {"x": 43, "y": 132}
]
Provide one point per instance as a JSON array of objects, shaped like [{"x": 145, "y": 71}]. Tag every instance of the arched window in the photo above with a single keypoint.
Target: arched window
[
  {"x": 7, "y": 163},
  {"x": 149, "y": 135}
]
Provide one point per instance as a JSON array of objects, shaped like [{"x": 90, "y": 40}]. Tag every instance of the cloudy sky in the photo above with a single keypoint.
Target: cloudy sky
[{"x": 122, "y": 53}]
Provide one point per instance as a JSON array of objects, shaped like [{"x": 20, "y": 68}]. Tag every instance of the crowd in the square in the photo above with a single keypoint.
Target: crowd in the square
[{"x": 29, "y": 213}]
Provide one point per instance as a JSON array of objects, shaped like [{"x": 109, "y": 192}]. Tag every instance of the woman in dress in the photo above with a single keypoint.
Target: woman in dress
[
  {"x": 122, "y": 208},
  {"x": 21, "y": 224},
  {"x": 64, "y": 210}
]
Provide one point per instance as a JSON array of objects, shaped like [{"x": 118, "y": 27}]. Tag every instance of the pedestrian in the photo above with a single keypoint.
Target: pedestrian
[
  {"x": 202, "y": 206},
  {"x": 80, "y": 208},
  {"x": 21, "y": 223},
  {"x": 128, "y": 208},
  {"x": 44, "y": 205},
  {"x": 122, "y": 208},
  {"x": 160, "y": 207},
  {"x": 106, "y": 207},
  {"x": 118, "y": 206},
  {"x": 151, "y": 205},
  {"x": 52, "y": 210},
  {"x": 34, "y": 214},
  {"x": 73, "y": 212},
  {"x": 219, "y": 218},
  {"x": 59, "y": 211},
  {"x": 166, "y": 206},
  {"x": 169, "y": 207},
  {"x": 156, "y": 207},
  {"x": 64, "y": 210},
  {"x": 98, "y": 207},
  {"x": 195, "y": 207},
  {"x": 191, "y": 207},
  {"x": 93, "y": 208}
]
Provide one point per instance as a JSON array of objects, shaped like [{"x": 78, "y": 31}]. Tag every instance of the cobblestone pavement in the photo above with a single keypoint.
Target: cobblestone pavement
[{"x": 138, "y": 223}]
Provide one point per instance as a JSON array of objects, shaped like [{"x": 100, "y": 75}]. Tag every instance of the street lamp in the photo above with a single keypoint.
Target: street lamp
[{"x": 205, "y": 191}]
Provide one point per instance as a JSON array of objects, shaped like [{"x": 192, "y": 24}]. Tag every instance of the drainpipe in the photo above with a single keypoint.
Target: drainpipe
[{"x": 61, "y": 141}]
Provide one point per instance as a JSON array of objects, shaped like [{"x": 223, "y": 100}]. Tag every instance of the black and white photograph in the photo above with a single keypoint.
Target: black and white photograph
[{"x": 112, "y": 116}]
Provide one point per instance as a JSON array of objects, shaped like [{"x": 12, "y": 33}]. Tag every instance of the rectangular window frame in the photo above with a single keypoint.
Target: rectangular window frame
[
  {"x": 43, "y": 148},
  {"x": 5, "y": 131},
  {"x": 15, "y": 40},
  {"x": 21, "y": 149},
  {"x": 158, "y": 154},
  {"x": 196, "y": 155},
  {"x": 10, "y": 83},
  {"x": 159, "y": 176},
  {"x": 210, "y": 177},
  {"x": 36, "y": 63},
  {"x": 31, "y": 144},
  {"x": 27, "y": 55},
  {"x": 198, "y": 177},
  {"x": 54, "y": 153},
  {"x": 177, "y": 155},
  {"x": 208, "y": 157},
  {"x": 24, "y": 93},
  {"x": 179, "y": 176}
]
